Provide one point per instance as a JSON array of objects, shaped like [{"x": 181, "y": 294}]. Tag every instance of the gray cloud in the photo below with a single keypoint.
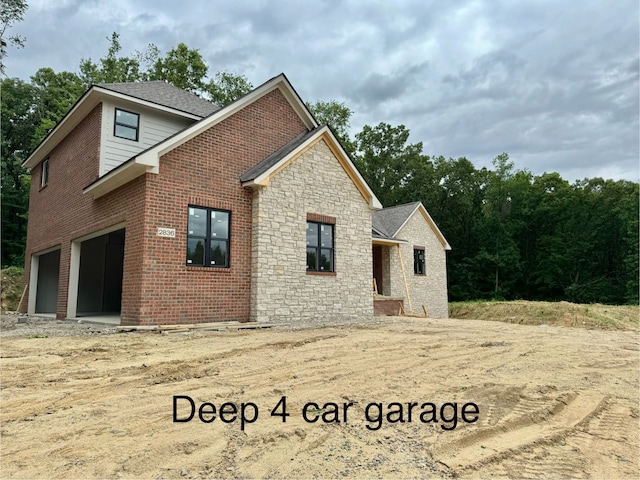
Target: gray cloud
[{"x": 553, "y": 85}]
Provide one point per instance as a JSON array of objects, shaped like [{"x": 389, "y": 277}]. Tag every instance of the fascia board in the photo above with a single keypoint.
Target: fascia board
[
  {"x": 151, "y": 158},
  {"x": 343, "y": 158},
  {"x": 146, "y": 103},
  {"x": 374, "y": 203},
  {"x": 388, "y": 241},
  {"x": 280, "y": 82},
  {"x": 80, "y": 110},
  {"x": 296, "y": 102},
  {"x": 430, "y": 222},
  {"x": 406, "y": 220},
  {"x": 434, "y": 227},
  {"x": 125, "y": 174}
]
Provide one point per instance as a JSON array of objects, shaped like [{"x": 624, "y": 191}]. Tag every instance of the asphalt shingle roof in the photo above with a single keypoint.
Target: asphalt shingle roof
[
  {"x": 275, "y": 157},
  {"x": 165, "y": 94},
  {"x": 389, "y": 220}
]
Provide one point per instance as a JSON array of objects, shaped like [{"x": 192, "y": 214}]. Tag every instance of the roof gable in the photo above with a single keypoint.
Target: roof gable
[
  {"x": 261, "y": 174},
  {"x": 283, "y": 152},
  {"x": 389, "y": 221},
  {"x": 157, "y": 95},
  {"x": 280, "y": 82},
  {"x": 148, "y": 161}
]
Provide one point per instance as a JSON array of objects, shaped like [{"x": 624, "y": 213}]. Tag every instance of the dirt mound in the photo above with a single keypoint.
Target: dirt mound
[
  {"x": 12, "y": 288},
  {"x": 621, "y": 317}
]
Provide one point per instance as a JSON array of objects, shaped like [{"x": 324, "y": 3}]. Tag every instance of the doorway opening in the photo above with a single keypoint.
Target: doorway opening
[
  {"x": 47, "y": 267},
  {"x": 100, "y": 275},
  {"x": 377, "y": 268}
]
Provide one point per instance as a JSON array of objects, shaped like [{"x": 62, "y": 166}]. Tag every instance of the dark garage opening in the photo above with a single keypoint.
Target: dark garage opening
[
  {"x": 100, "y": 276},
  {"x": 47, "y": 288}
]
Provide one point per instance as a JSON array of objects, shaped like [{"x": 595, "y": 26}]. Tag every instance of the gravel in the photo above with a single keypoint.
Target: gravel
[
  {"x": 16, "y": 325},
  {"x": 21, "y": 325}
]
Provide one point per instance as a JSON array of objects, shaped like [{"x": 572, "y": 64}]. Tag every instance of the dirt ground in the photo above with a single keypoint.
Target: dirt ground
[{"x": 554, "y": 402}]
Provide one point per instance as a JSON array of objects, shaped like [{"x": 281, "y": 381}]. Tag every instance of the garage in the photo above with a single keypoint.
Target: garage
[
  {"x": 48, "y": 268},
  {"x": 100, "y": 275}
]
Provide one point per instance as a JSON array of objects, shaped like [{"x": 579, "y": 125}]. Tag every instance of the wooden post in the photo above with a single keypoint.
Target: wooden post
[
  {"x": 404, "y": 276},
  {"x": 24, "y": 290}
]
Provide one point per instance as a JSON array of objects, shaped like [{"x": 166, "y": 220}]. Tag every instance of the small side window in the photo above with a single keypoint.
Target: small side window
[
  {"x": 44, "y": 175},
  {"x": 127, "y": 125},
  {"x": 418, "y": 261}
]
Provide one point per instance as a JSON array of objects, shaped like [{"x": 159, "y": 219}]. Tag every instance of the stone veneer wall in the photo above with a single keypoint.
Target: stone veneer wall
[
  {"x": 429, "y": 290},
  {"x": 281, "y": 289}
]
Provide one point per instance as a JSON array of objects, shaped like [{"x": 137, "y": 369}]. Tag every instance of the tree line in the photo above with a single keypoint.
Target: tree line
[{"x": 514, "y": 235}]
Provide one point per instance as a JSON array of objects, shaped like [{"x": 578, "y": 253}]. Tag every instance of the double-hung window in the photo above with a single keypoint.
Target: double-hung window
[
  {"x": 418, "y": 261},
  {"x": 208, "y": 232},
  {"x": 127, "y": 125},
  {"x": 320, "y": 247}
]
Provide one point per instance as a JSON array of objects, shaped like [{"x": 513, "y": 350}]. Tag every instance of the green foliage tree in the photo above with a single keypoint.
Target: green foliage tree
[
  {"x": 338, "y": 116},
  {"x": 182, "y": 67},
  {"x": 631, "y": 239},
  {"x": 113, "y": 67},
  {"x": 227, "y": 87},
  {"x": 554, "y": 214},
  {"x": 498, "y": 246},
  {"x": 55, "y": 94},
  {"x": 605, "y": 247},
  {"x": 19, "y": 122},
  {"x": 31, "y": 110},
  {"x": 11, "y": 11},
  {"x": 513, "y": 234},
  {"x": 456, "y": 203},
  {"x": 387, "y": 161}
]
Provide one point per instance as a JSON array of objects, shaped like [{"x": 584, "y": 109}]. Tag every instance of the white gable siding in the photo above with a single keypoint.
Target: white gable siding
[{"x": 154, "y": 127}]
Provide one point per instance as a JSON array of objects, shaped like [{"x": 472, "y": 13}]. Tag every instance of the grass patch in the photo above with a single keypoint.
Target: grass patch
[{"x": 618, "y": 317}]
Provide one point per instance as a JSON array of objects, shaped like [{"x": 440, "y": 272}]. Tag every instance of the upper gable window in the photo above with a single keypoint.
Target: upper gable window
[
  {"x": 127, "y": 125},
  {"x": 44, "y": 175}
]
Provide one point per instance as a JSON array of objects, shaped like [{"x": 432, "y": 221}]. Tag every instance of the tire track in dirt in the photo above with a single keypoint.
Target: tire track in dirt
[
  {"x": 524, "y": 427},
  {"x": 88, "y": 408},
  {"x": 123, "y": 377}
]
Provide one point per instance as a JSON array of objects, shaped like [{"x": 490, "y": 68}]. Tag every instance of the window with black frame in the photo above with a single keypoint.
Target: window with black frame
[
  {"x": 418, "y": 261},
  {"x": 208, "y": 237},
  {"x": 127, "y": 125},
  {"x": 320, "y": 247}
]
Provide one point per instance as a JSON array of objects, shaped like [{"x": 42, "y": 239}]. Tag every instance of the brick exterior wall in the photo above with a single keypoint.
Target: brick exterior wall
[
  {"x": 205, "y": 171},
  {"x": 60, "y": 212},
  {"x": 387, "y": 306},
  {"x": 430, "y": 289},
  {"x": 157, "y": 285},
  {"x": 314, "y": 183}
]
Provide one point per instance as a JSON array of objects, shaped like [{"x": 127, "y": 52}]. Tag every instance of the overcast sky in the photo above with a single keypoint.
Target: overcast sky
[{"x": 552, "y": 83}]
